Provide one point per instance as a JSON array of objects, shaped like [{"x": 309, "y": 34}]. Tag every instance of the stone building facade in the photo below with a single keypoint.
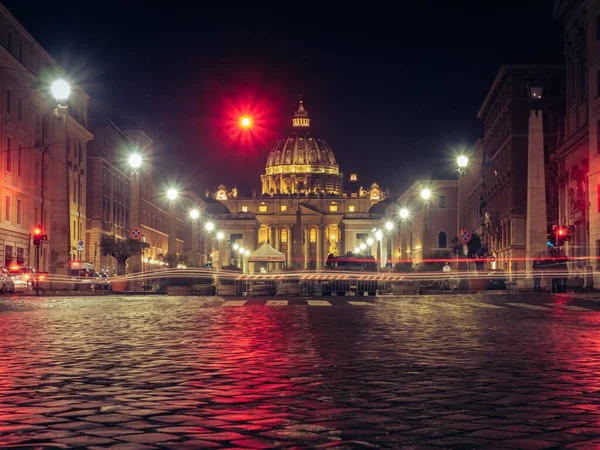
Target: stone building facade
[
  {"x": 302, "y": 186},
  {"x": 504, "y": 150},
  {"x": 42, "y": 169}
]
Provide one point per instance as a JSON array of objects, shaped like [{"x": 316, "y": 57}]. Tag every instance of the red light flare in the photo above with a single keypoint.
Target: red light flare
[{"x": 245, "y": 125}]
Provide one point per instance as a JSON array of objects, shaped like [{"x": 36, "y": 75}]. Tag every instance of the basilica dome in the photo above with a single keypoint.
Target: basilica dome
[{"x": 301, "y": 162}]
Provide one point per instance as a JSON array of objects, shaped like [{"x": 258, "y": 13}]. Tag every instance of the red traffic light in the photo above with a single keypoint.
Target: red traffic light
[
  {"x": 561, "y": 231},
  {"x": 37, "y": 231}
]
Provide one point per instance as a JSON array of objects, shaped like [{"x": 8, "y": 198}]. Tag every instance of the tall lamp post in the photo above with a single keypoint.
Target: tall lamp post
[
  {"x": 172, "y": 195},
  {"x": 462, "y": 161},
  {"x": 209, "y": 227},
  {"x": 379, "y": 237},
  {"x": 536, "y": 230},
  {"x": 426, "y": 195},
  {"x": 194, "y": 214},
  {"x": 403, "y": 238},
  {"x": 135, "y": 163},
  {"x": 389, "y": 226}
]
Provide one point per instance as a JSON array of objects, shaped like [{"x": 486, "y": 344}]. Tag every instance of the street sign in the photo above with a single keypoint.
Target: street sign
[
  {"x": 80, "y": 246},
  {"x": 465, "y": 249},
  {"x": 465, "y": 236},
  {"x": 135, "y": 233}
]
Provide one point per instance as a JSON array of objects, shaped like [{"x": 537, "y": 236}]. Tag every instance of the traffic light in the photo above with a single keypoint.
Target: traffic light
[
  {"x": 38, "y": 235},
  {"x": 561, "y": 235},
  {"x": 551, "y": 240}
]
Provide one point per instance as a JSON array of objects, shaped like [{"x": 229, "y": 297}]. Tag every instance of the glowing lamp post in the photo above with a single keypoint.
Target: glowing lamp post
[
  {"x": 426, "y": 195},
  {"x": 194, "y": 214},
  {"x": 209, "y": 226},
  {"x": 404, "y": 214},
  {"x": 172, "y": 195},
  {"x": 462, "y": 161},
  {"x": 60, "y": 90},
  {"x": 245, "y": 122}
]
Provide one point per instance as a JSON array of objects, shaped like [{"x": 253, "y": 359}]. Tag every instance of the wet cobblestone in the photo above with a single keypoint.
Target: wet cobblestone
[{"x": 497, "y": 371}]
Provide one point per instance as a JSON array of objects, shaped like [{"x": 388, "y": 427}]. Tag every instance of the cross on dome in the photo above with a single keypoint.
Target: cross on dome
[{"x": 301, "y": 119}]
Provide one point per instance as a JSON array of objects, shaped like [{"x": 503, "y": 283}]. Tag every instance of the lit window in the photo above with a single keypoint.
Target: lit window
[
  {"x": 313, "y": 235},
  {"x": 353, "y": 177},
  {"x": 333, "y": 207},
  {"x": 351, "y": 208},
  {"x": 262, "y": 208},
  {"x": 244, "y": 209},
  {"x": 283, "y": 235},
  {"x": 283, "y": 207}
]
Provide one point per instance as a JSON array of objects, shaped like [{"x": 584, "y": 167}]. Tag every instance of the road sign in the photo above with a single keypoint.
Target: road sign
[
  {"x": 465, "y": 236},
  {"x": 80, "y": 246},
  {"x": 135, "y": 233}
]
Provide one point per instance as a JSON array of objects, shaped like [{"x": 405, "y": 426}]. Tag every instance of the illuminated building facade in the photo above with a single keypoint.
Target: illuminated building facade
[{"x": 301, "y": 175}]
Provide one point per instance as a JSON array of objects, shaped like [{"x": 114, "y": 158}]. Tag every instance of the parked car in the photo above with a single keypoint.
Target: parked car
[
  {"x": 102, "y": 281},
  {"x": 6, "y": 283},
  {"x": 23, "y": 275},
  {"x": 496, "y": 280}
]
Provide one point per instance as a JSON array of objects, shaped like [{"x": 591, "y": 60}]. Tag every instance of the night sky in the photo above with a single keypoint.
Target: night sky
[{"x": 394, "y": 92}]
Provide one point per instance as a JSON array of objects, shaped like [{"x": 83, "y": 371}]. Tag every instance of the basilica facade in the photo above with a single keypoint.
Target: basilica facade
[{"x": 307, "y": 208}]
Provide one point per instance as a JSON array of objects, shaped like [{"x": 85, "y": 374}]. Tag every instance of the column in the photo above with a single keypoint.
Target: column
[
  {"x": 306, "y": 246},
  {"x": 290, "y": 244},
  {"x": 277, "y": 237},
  {"x": 535, "y": 232},
  {"x": 172, "y": 230},
  {"x": 319, "y": 257}
]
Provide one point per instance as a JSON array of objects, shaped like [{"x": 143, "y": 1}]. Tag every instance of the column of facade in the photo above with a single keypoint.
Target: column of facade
[
  {"x": 320, "y": 240},
  {"x": 290, "y": 242},
  {"x": 271, "y": 266},
  {"x": 306, "y": 246}
]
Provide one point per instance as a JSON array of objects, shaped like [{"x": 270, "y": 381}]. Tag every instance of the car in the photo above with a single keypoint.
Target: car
[
  {"x": 102, "y": 281},
  {"x": 496, "y": 280},
  {"x": 23, "y": 274},
  {"x": 6, "y": 283}
]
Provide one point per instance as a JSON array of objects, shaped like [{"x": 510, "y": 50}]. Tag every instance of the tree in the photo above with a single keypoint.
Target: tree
[
  {"x": 121, "y": 250},
  {"x": 174, "y": 259}
]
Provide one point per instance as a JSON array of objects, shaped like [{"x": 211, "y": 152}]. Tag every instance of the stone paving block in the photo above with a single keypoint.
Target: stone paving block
[{"x": 84, "y": 441}]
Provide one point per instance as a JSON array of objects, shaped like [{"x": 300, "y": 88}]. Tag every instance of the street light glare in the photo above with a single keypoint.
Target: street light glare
[
  {"x": 194, "y": 214},
  {"x": 404, "y": 213},
  {"x": 363, "y": 246},
  {"x": 220, "y": 235},
  {"x": 247, "y": 252},
  {"x": 378, "y": 235},
  {"x": 462, "y": 161},
  {"x": 246, "y": 122},
  {"x": 135, "y": 160},
  {"x": 209, "y": 226},
  {"x": 236, "y": 246},
  {"x": 389, "y": 225},
  {"x": 370, "y": 241},
  {"x": 172, "y": 194},
  {"x": 426, "y": 194},
  {"x": 60, "y": 89},
  {"x": 356, "y": 250}
]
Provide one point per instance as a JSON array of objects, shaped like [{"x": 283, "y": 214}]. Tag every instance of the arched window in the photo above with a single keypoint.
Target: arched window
[
  {"x": 442, "y": 239},
  {"x": 313, "y": 156},
  {"x": 313, "y": 235},
  {"x": 300, "y": 157},
  {"x": 284, "y": 235},
  {"x": 288, "y": 157}
]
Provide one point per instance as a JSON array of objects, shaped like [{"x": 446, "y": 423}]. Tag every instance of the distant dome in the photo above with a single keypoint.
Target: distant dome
[{"x": 301, "y": 162}]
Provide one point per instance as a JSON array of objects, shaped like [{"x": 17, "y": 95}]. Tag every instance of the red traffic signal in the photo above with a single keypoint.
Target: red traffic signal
[
  {"x": 561, "y": 232},
  {"x": 37, "y": 231}
]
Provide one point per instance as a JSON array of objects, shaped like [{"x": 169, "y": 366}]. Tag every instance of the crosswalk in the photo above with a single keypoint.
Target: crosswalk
[{"x": 483, "y": 305}]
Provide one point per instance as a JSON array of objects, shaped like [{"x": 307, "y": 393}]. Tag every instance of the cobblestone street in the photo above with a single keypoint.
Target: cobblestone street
[{"x": 495, "y": 371}]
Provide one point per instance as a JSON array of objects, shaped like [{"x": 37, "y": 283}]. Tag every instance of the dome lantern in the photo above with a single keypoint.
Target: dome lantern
[{"x": 301, "y": 119}]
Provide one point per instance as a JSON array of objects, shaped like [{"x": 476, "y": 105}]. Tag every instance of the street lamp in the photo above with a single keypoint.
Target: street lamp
[
  {"x": 404, "y": 214},
  {"x": 235, "y": 246},
  {"x": 194, "y": 214},
  {"x": 389, "y": 225},
  {"x": 60, "y": 90},
  {"x": 370, "y": 241},
  {"x": 426, "y": 194},
  {"x": 362, "y": 246},
  {"x": 462, "y": 162},
  {"x": 135, "y": 161},
  {"x": 378, "y": 235},
  {"x": 356, "y": 250},
  {"x": 172, "y": 194},
  {"x": 220, "y": 236},
  {"x": 209, "y": 226}
]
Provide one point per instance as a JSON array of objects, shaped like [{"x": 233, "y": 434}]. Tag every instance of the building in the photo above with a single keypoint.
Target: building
[
  {"x": 578, "y": 169},
  {"x": 108, "y": 191},
  {"x": 502, "y": 172},
  {"x": 42, "y": 169},
  {"x": 307, "y": 208},
  {"x": 430, "y": 227}
]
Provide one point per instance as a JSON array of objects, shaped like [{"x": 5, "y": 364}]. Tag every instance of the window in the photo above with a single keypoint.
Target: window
[
  {"x": 442, "y": 202},
  {"x": 9, "y": 155},
  {"x": 19, "y": 212},
  {"x": 333, "y": 207},
  {"x": 8, "y": 255},
  {"x": 351, "y": 208},
  {"x": 284, "y": 235},
  {"x": 262, "y": 208},
  {"x": 283, "y": 207},
  {"x": 353, "y": 177},
  {"x": 20, "y": 109},
  {"x": 244, "y": 208},
  {"x": 8, "y": 102},
  {"x": 313, "y": 235},
  {"x": 19, "y": 161},
  {"x": 7, "y": 208},
  {"x": 442, "y": 239}
]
